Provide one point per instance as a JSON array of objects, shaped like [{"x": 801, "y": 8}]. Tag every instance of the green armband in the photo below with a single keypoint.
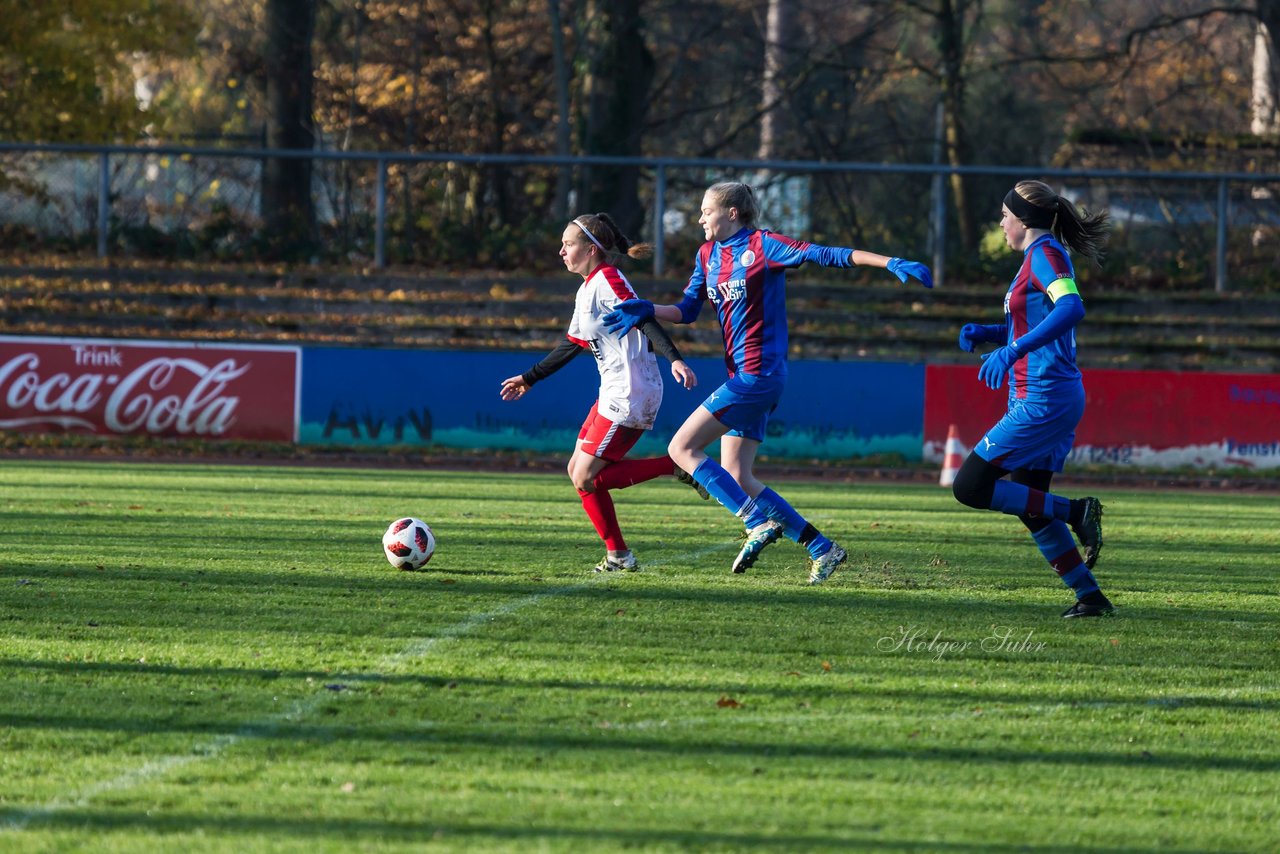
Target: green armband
[{"x": 1061, "y": 288}]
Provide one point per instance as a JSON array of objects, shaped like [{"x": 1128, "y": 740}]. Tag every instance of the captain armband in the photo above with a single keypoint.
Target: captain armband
[{"x": 1061, "y": 288}]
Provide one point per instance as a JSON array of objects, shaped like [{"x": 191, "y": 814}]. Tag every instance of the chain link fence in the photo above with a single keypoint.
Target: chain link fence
[{"x": 458, "y": 212}]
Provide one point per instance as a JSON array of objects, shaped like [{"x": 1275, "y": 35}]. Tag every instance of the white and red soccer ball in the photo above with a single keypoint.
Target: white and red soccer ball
[{"x": 408, "y": 543}]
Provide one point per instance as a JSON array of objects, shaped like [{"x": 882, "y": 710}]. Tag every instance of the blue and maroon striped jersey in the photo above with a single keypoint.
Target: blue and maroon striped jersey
[
  {"x": 1045, "y": 275},
  {"x": 745, "y": 278}
]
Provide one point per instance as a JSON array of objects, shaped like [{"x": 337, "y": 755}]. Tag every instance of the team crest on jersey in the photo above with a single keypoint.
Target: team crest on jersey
[{"x": 747, "y": 258}]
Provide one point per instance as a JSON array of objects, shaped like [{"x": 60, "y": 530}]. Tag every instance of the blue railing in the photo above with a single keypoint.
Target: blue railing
[{"x": 1260, "y": 185}]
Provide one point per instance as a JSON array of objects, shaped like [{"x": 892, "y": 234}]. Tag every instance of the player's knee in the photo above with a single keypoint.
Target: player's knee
[
  {"x": 972, "y": 487},
  {"x": 962, "y": 492},
  {"x": 680, "y": 454},
  {"x": 581, "y": 478}
]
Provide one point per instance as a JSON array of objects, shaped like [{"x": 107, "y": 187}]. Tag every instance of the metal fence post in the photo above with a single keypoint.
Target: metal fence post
[
  {"x": 938, "y": 227},
  {"x": 938, "y": 212},
  {"x": 104, "y": 201},
  {"x": 1220, "y": 273},
  {"x": 659, "y": 213},
  {"x": 380, "y": 238}
]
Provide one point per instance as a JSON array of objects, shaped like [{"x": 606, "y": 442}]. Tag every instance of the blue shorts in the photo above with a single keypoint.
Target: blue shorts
[
  {"x": 1034, "y": 435},
  {"x": 744, "y": 403}
]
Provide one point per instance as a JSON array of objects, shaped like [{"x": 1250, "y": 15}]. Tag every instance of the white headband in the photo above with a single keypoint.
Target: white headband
[{"x": 590, "y": 236}]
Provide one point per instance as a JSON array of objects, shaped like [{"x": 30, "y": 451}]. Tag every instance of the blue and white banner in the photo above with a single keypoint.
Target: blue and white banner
[{"x": 831, "y": 410}]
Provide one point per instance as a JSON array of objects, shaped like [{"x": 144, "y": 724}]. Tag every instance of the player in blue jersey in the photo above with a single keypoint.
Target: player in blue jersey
[
  {"x": 1037, "y": 353},
  {"x": 741, "y": 269}
]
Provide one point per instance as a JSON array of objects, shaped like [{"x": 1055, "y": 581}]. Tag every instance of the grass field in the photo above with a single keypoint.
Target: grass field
[{"x": 218, "y": 658}]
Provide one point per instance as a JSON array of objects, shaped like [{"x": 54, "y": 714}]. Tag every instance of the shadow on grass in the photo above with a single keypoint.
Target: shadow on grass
[
  {"x": 357, "y": 680},
  {"x": 359, "y": 832},
  {"x": 223, "y": 601},
  {"x": 278, "y": 731}
]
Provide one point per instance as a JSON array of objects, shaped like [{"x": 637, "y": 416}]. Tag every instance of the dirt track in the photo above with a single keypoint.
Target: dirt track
[{"x": 287, "y": 455}]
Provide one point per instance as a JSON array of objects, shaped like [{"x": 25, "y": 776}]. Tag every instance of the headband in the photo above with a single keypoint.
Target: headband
[
  {"x": 1032, "y": 216},
  {"x": 590, "y": 236}
]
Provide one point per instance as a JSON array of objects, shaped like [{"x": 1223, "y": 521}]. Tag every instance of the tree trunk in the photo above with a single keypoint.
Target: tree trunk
[
  {"x": 616, "y": 93},
  {"x": 951, "y": 48},
  {"x": 1264, "y": 118},
  {"x": 1265, "y": 112},
  {"x": 779, "y": 42},
  {"x": 560, "y": 207},
  {"x": 494, "y": 192},
  {"x": 287, "y": 211}
]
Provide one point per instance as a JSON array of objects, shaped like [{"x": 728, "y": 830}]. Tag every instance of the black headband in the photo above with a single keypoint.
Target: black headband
[{"x": 1032, "y": 216}]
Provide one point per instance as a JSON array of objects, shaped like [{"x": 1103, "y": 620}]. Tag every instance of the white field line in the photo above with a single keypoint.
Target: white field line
[{"x": 298, "y": 710}]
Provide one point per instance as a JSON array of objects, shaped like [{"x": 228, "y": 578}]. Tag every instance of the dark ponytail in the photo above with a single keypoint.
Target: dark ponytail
[{"x": 1083, "y": 233}]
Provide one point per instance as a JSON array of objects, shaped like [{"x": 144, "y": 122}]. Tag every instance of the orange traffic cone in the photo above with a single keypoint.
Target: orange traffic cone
[{"x": 953, "y": 456}]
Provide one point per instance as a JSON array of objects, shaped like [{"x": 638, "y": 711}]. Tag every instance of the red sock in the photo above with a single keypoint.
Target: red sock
[
  {"x": 599, "y": 507},
  {"x": 626, "y": 473}
]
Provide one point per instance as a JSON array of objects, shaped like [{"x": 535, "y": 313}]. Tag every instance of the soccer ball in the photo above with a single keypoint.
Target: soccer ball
[{"x": 408, "y": 543}]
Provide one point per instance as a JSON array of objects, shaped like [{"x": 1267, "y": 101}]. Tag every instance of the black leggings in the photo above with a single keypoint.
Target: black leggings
[{"x": 976, "y": 482}]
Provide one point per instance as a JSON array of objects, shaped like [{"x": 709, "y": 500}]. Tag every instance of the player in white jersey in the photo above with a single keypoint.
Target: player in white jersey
[{"x": 630, "y": 383}]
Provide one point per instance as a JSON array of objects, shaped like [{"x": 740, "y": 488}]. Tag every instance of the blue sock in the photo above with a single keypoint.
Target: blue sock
[
  {"x": 721, "y": 485},
  {"x": 1059, "y": 548},
  {"x": 775, "y": 507},
  {"x": 754, "y": 515},
  {"x": 818, "y": 546},
  {"x": 793, "y": 524},
  {"x": 1017, "y": 499}
]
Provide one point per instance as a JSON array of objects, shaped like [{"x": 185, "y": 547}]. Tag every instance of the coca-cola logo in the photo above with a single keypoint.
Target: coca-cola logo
[{"x": 166, "y": 394}]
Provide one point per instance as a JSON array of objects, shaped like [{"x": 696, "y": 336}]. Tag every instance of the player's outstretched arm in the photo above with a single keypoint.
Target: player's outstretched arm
[
  {"x": 631, "y": 313},
  {"x": 627, "y": 315},
  {"x": 900, "y": 267},
  {"x": 669, "y": 313}
]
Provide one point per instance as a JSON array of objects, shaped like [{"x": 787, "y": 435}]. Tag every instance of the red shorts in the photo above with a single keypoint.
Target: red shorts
[{"x": 606, "y": 439}]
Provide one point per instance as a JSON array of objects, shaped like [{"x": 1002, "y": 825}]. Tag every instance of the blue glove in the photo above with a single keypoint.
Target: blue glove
[
  {"x": 627, "y": 316},
  {"x": 902, "y": 269},
  {"x": 979, "y": 333},
  {"x": 995, "y": 365},
  {"x": 971, "y": 335}
]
